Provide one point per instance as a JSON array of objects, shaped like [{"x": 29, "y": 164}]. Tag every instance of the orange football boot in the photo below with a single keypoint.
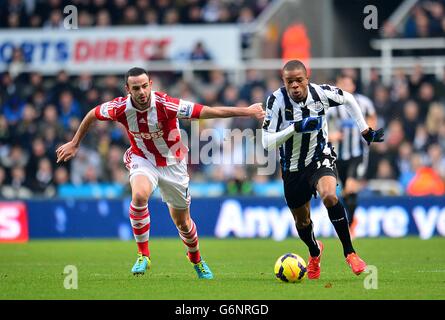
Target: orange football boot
[
  {"x": 357, "y": 265},
  {"x": 313, "y": 267}
]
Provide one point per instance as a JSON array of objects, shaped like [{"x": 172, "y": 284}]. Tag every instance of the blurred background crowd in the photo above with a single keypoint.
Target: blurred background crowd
[
  {"x": 102, "y": 13},
  {"x": 38, "y": 113}
]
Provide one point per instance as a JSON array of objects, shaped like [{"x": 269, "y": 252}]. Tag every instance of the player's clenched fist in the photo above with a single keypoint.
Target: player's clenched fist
[
  {"x": 66, "y": 152},
  {"x": 256, "y": 110}
]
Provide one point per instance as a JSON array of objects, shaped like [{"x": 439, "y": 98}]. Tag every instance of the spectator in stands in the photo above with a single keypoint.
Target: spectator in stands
[
  {"x": 15, "y": 156},
  {"x": 38, "y": 152},
  {"x": 13, "y": 110},
  {"x": 426, "y": 182},
  {"x": 437, "y": 160},
  {"x": 239, "y": 184},
  {"x": 27, "y": 126},
  {"x": 39, "y": 101},
  {"x": 3, "y": 192},
  {"x": 253, "y": 79},
  {"x": 55, "y": 20},
  {"x": 8, "y": 89},
  {"x": 200, "y": 53},
  {"x": 435, "y": 119},
  {"x": 382, "y": 104},
  {"x": 5, "y": 133},
  {"x": 68, "y": 108},
  {"x": 61, "y": 176},
  {"x": 130, "y": 16},
  {"x": 85, "y": 19},
  {"x": 50, "y": 120},
  {"x": 42, "y": 182},
  {"x": 404, "y": 163},
  {"x": 296, "y": 43},
  {"x": 151, "y": 17},
  {"x": 441, "y": 137},
  {"x": 103, "y": 19},
  {"x": 425, "y": 99},
  {"x": 17, "y": 65},
  {"x": 86, "y": 160},
  {"x": 19, "y": 186},
  {"x": 62, "y": 84},
  {"x": 385, "y": 170},
  {"x": 410, "y": 119}
]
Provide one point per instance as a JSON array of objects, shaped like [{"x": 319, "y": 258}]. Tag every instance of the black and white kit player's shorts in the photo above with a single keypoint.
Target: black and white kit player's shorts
[
  {"x": 353, "y": 168},
  {"x": 299, "y": 186}
]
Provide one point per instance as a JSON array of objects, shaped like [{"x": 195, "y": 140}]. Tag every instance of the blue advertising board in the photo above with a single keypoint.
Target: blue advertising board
[{"x": 243, "y": 217}]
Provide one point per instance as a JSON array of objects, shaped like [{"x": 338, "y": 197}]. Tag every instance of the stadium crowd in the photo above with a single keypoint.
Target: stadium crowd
[
  {"x": 38, "y": 113},
  {"x": 102, "y": 13},
  {"x": 426, "y": 19}
]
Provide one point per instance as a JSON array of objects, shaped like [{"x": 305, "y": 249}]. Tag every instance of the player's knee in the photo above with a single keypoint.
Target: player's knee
[
  {"x": 140, "y": 198},
  {"x": 183, "y": 225},
  {"x": 329, "y": 199}
]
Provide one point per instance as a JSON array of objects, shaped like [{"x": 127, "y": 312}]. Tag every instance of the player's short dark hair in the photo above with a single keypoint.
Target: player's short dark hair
[
  {"x": 134, "y": 72},
  {"x": 295, "y": 64}
]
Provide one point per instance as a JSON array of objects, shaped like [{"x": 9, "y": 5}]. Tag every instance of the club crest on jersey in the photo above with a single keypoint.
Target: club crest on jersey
[{"x": 318, "y": 106}]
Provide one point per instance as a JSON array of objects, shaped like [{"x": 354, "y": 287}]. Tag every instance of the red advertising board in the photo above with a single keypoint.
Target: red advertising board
[{"x": 13, "y": 222}]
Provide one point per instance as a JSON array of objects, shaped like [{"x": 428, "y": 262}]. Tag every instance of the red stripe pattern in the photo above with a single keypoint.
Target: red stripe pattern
[
  {"x": 140, "y": 222},
  {"x": 190, "y": 238},
  {"x": 150, "y": 131}
]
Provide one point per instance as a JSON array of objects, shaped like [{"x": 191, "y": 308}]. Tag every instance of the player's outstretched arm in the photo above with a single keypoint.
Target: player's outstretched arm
[
  {"x": 255, "y": 111},
  {"x": 68, "y": 150}
]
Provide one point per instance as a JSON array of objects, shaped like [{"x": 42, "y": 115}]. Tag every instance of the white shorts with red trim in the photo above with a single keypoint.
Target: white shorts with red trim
[{"x": 173, "y": 180}]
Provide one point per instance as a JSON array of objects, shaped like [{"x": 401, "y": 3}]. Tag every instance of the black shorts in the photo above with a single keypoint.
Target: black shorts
[
  {"x": 352, "y": 168},
  {"x": 300, "y": 186}
]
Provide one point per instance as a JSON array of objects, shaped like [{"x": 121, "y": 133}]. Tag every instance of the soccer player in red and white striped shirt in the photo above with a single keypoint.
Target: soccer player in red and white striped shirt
[{"x": 155, "y": 157}]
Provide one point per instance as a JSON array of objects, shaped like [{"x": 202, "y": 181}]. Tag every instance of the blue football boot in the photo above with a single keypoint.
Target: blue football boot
[{"x": 143, "y": 263}]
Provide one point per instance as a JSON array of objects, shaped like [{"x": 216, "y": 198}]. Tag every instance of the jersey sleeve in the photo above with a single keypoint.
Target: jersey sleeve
[
  {"x": 272, "y": 120},
  {"x": 181, "y": 109},
  {"x": 334, "y": 95},
  {"x": 107, "y": 111}
]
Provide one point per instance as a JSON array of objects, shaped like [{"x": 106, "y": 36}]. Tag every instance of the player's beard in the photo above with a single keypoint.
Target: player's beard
[{"x": 143, "y": 102}]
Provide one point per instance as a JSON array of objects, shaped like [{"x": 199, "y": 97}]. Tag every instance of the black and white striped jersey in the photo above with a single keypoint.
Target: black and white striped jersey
[
  {"x": 352, "y": 144},
  {"x": 300, "y": 149}
]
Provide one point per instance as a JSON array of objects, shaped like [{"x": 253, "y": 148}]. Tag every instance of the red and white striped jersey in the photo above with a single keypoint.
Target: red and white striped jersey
[{"x": 154, "y": 133}]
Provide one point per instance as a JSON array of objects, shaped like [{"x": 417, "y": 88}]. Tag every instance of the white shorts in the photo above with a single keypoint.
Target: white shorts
[{"x": 173, "y": 180}]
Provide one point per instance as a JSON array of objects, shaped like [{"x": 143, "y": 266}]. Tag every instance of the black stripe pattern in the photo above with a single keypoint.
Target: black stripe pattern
[{"x": 286, "y": 154}]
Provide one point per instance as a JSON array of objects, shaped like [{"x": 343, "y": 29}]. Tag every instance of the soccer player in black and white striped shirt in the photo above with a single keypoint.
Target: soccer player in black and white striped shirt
[
  {"x": 352, "y": 151},
  {"x": 296, "y": 122}
]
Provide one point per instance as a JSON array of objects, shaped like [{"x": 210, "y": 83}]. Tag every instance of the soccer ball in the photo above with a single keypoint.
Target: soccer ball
[{"x": 290, "y": 267}]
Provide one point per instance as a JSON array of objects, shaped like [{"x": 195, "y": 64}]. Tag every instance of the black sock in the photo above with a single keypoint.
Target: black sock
[
  {"x": 350, "y": 201},
  {"x": 337, "y": 214},
  {"x": 307, "y": 235}
]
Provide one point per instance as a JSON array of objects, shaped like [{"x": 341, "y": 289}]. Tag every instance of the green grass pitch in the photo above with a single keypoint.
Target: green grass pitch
[{"x": 407, "y": 268}]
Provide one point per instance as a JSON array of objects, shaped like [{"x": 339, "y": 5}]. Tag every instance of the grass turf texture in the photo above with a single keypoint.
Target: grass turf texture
[{"x": 408, "y": 268}]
